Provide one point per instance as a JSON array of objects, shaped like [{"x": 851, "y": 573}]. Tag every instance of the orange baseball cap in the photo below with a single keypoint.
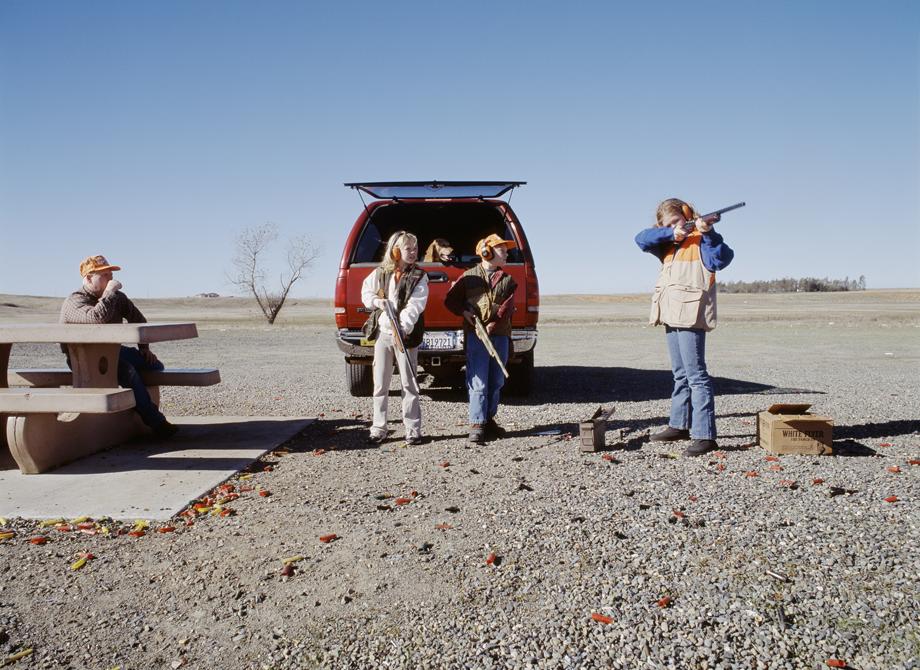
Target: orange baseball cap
[
  {"x": 494, "y": 240},
  {"x": 96, "y": 264}
]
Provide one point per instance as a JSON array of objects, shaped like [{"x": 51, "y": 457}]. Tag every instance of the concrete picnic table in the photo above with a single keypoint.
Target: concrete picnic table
[{"x": 59, "y": 415}]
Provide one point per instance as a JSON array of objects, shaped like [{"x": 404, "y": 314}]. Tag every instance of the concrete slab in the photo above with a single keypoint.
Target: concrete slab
[{"x": 147, "y": 479}]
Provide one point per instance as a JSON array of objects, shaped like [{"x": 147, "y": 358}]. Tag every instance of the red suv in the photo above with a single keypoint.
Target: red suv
[{"x": 461, "y": 213}]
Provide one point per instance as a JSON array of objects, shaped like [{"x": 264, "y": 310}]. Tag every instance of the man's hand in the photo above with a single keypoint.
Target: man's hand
[
  {"x": 149, "y": 357},
  {"x": 111, "y": 287},
  {"x": 490, "y": 327},
  {"x": 470, "y": 317},
  {"x": 380, "y": 303}
]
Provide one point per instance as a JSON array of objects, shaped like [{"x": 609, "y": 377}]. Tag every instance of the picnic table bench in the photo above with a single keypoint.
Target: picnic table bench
[{"x": 53, "y": 416}]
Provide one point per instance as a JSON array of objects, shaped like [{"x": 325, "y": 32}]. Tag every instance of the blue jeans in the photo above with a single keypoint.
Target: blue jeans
[
  {"x": 130, "y": 363},
  {"x": 484, "y": 379},
  {"x": 693, "y": 401}
]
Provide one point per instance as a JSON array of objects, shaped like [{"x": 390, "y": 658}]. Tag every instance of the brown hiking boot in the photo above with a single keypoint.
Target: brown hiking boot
[
  {"x": 477, "y": 433},
  {"x": 700, "y": 447},
  {"x": 670, "y": 435}
]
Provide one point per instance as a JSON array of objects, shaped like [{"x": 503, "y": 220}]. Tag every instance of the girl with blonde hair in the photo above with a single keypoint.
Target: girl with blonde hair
[{"x": 399, "y": 280}]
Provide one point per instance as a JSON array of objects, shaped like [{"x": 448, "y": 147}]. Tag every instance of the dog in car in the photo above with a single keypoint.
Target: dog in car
[{"x": 439, "y": 251}]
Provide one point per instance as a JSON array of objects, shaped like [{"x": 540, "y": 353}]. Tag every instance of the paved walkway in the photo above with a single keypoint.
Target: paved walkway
[{"x": 147, "y": 479}]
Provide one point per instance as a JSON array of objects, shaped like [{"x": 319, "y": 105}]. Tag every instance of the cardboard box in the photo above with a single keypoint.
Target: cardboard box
[
  {"x": 592, "y": 433},
  {"x": 790, "y": 429}
]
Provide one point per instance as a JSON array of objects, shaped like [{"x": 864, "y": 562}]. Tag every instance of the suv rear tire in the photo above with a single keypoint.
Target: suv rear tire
[
  {"x": 520, "y": 377},
  {"x": 360, "y": 379}
]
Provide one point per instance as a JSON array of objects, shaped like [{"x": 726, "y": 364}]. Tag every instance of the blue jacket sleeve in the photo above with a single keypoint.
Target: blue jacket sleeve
[
  {"x": 655, "y": 240},
  {"x": 716, "y": 254}
]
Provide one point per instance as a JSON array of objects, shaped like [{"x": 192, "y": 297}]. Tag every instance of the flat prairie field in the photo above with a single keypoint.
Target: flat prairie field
[{"x": 525, "y": 552}]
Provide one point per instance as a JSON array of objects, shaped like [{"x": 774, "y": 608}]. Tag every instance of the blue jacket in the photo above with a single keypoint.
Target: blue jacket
[{"x": 715, "y": 253}]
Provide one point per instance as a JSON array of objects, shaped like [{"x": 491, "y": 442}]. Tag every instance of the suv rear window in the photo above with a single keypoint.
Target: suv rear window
[{"x": 461, "y": 224}]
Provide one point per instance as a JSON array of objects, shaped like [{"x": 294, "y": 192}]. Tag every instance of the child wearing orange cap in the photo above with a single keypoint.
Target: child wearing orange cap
[{"x": 485, "y": 291}]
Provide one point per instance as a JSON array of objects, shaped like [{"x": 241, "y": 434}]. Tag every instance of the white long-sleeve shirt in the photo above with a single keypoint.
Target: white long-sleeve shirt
[{"x": 410, "y": 313}]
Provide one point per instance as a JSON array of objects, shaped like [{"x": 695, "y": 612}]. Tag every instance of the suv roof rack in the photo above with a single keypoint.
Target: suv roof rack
[{"x": 409, "y": 190}]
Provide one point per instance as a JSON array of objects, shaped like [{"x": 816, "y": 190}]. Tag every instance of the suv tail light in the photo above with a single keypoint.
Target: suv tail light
[
  {"x": 340, "y": 295},
  {"x": 532, "y": 295}
]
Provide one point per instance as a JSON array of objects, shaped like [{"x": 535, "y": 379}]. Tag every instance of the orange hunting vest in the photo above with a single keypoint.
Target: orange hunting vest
[{"x": 685, "y": 294}]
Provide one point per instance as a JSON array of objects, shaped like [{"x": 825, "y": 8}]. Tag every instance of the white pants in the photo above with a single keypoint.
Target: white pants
[{"x": 384, "y": 355}]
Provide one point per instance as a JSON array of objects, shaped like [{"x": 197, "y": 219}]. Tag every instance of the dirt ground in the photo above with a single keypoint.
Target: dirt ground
[{"x": 405, "y": 585}]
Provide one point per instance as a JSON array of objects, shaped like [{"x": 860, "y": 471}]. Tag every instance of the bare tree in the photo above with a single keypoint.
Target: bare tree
[{"x": 249, "y": 275}]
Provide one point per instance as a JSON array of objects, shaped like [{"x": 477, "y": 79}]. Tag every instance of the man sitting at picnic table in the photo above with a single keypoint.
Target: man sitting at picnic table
[{"x": 100, "y": 300}]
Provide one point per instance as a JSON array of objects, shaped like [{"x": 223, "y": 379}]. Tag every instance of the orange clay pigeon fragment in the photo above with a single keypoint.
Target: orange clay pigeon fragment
[
  {"x": 601, "y": 618},
  {"x": 882, "y": 444},
  {"x": 895, "y": 469},
  {"x": 264, "y": 493},
  {"x": 914, "y": 461},
  {"x": 403, "y": 501},
  {"x": 443, "y": 526},
  {"x": 891, "y": 499},
  {"x": 491, "y": 558},
  {"x": 38, "y": 539},
  {"x": 752, "y": 473},
  {"x": 836, "y": 663},
  {"x": 817, "y": 481},
  {"x": 166, "y": 529},
  {"x": 776, "y": 468},
  {"x": 326, "y": 539},
  {"x": 664, "y": 602},
  {"x": 137, "y": 533},
  {"x": 771, "y": 458}
]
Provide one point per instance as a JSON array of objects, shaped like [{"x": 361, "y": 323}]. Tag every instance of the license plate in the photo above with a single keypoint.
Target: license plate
[{"x": 442, "y": 341}]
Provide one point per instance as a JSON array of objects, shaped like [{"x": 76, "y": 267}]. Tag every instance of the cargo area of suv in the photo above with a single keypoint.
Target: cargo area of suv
[{"x": 461, "y": 213}]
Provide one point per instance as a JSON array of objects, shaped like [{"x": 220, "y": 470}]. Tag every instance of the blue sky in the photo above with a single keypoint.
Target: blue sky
[{"x": 154, "y": 132}]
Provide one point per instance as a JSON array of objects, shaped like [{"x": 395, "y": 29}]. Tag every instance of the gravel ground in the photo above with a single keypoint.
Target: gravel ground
[{"x": 695, "y": 562}]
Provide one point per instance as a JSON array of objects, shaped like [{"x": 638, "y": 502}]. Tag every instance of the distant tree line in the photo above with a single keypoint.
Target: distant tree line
[{"x": 790, "y": 285}]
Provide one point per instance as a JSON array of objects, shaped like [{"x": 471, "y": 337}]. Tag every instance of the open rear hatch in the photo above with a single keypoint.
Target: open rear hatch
[
  {"x": 415, "y": 190},
  {"x": 457, "y": 212}
]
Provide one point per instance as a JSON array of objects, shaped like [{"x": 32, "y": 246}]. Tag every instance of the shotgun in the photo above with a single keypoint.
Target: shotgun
[
  {"x": 483, "y": 335},
  {"x": 712, "y": 217},
  {"x": 400, "y": 342},
  {"x": 394, "y": 322}
]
